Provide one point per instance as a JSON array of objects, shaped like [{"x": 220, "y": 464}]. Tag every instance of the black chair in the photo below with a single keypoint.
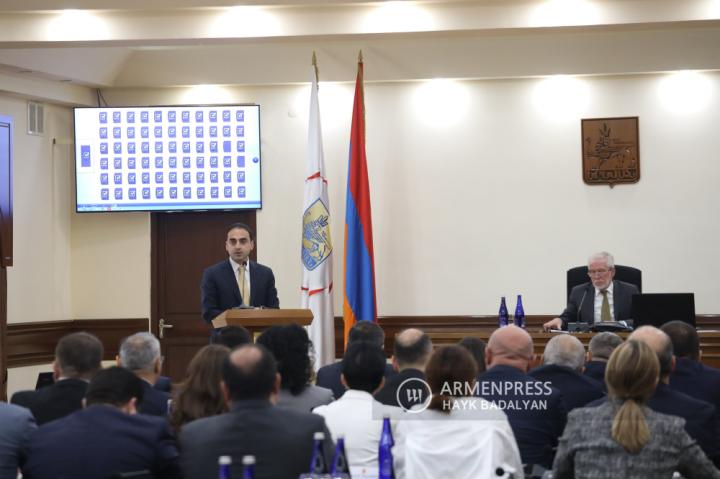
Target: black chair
[{"x": 579, "y": 275}]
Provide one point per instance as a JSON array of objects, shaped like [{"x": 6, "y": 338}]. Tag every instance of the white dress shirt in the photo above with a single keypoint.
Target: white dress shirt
[
  {"x": 599, "y": 301},
  {"x": 358, "y": 417}
]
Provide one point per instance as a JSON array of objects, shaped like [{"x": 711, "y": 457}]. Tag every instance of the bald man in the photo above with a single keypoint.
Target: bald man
[
  {"x": 411, "y": 353},
  {"x": 701, "y": 421},
  {"x": 535, "y": 409},
  {"x": 280, "y": 439},
  {"x": 563, "y": 364}
]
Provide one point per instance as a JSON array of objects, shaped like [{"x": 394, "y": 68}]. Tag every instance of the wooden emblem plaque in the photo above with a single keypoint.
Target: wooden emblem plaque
[{"x": 610, "y": 151}]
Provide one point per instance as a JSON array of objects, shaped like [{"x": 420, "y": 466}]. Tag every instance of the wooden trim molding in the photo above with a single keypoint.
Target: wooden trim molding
[{"x": 34, "y": 343}]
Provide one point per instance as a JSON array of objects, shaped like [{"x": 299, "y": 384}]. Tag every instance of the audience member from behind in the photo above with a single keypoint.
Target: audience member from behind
[
  {"x": 280, "y": 439},
  {"x": 599, "y": 350},
  {"x": 105, "y": 438},
  {"x": 329, "y": 376},
  {"x": 412, "y": 351},
  {"x": 356, "y": 415},
  {"x": 233, "y": 336},
  {"x": 625, "y": 438},
  {"x": 77, "y": 359},
  {"x": 476, "y": 347},
  {"x": 199, "y": 395},
  {"x": 690, "y": 376},
  {"x": 458, "y": 435},
  {"x": 563, "y": 362},
  {"x": 535, "y": 409},
  {"x": 17, "y": 426},
  {"x": 701, "y": 420},
  {"x": 140, "y": 353},
  {"x": 291, "y": 347}
]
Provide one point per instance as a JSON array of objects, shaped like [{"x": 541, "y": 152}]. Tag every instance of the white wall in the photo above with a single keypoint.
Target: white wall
[{"x": 486, "y": 198}]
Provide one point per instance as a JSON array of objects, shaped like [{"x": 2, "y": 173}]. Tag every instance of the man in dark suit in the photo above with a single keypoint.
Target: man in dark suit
[
  {"x": 106, "y": 437},
  {"x": 280, "y": 439},
  {"x": 17, "y": 426},
  {"x": 599, "y": 350},
  {"x": 328, "y": 377},
  {"x": 535, "y": 409},
  {"x": 77, "y": 359},
  {"x": 412, "y": 351},
  {"x": 601, "y": 299},
  {"x": 701, "y": 420},
  {"x": 140, "y": 353},
  {"x": 563, "y": 361},
  {"x": 223, "y": 284},
  {"x": 690, "y": 376}
]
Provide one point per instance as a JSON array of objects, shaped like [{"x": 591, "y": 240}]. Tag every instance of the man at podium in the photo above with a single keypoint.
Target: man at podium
[{"x": 237, "y": 281}]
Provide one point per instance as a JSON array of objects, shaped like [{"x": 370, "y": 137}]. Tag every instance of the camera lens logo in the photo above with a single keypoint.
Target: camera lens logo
[{"x": 413, "y": 395}]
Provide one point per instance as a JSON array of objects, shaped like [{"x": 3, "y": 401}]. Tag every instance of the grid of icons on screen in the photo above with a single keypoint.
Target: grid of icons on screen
[{"x": 188, "y": 155}]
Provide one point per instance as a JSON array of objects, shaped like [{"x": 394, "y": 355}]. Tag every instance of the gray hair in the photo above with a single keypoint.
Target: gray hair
[
  {"x": 565, "y": 350},
  {"x": 605, "y": 256},
  {"x": 139, "y": 352},
  {"x": 603, "y": 344}
]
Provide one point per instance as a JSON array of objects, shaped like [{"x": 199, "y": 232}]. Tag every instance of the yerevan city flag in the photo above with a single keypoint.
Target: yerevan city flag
[{"x": 359, "y": 302}]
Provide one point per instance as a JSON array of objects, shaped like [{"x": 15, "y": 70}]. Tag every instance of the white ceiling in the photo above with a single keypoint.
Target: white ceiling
[{"x": 166, "y": 43}]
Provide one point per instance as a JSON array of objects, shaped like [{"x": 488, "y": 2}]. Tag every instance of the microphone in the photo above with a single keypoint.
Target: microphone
[{"x": 577, "y": 315}]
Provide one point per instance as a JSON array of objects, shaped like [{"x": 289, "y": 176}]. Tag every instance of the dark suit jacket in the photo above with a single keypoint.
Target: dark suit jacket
[
  {"x": 701, "y": 421},
  {"x": 697, "y": 380},
  {"x": 54, "y": 401},
  {"x": 389, "y": 393},
  {"x": 577, "y": 390},
  {"x": 16, "y": 426},
  {"x": 163, "y": 383},
  {"x": 536, "y": 413},
  {"x": 154, "y": 401},
  {"x": 622, "y": 298},
  {"x": 596, "y": 370},
  {"x": 280, "y": 439},
  {"x": 220, "y": 290},
  {"x": 99, "y": 441},
  {"x": 328, "y": 377}
]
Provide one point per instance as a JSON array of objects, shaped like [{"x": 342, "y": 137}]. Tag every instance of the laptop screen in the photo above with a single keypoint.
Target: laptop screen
[{"x": 656, "y": 309}]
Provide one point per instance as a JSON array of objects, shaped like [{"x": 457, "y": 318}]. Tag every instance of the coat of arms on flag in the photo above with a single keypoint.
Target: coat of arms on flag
[{"x": 316, "y": 243}]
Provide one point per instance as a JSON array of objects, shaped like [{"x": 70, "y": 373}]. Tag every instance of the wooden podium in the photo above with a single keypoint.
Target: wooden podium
[{"x": 258, "y": 320}]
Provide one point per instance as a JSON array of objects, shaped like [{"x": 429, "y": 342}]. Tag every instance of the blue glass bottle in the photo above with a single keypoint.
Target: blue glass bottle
[
  {"x": 385, "y": 458},
  {"x": 503, "y": 316},
  {"x": 339, "y": 462},
  {"x": 519, "y": 319},
  {"x": 318, "y": 465},
  {"x": 224, "y": 463},
  {"x": 248, "y": 467}
]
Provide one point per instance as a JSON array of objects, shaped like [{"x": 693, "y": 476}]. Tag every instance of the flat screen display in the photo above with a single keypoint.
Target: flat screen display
[{"x": 168, "y": 158}]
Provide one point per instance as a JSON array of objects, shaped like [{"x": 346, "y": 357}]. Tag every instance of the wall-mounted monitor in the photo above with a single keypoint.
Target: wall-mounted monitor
[{"x": 167, "y": 158}]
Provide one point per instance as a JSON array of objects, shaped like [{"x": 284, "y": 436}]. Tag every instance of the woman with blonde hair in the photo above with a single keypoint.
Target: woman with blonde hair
[
  {"x": 625, "y": 438},
  {"x": 199, "y": 395}
]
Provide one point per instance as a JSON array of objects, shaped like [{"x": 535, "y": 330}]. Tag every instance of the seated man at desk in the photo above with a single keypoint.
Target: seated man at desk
[{"x": 600, "y": 299}]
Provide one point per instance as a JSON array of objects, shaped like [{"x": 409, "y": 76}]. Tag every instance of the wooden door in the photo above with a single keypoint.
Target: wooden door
[{"x": 183, "y": 245}]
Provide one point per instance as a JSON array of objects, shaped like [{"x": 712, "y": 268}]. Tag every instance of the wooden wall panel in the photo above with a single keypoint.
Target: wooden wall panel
[{"x": 34, "y": 343}]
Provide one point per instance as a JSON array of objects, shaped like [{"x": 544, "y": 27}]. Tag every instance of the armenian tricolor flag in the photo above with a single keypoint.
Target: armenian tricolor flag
[{"x": 359, "y": 302}]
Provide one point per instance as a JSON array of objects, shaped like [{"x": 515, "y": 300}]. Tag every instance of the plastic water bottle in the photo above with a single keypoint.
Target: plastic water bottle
[
  {"x": 318, "y": 465},
  {"x": 340, "y": 469},
  {"x": 519, "y": 319},
  {"x": 248, "y": 463},
  {"x": 224, "y": 463},
  {"x": 503, "y": 316},
  {"x": 385, "y": 458}
]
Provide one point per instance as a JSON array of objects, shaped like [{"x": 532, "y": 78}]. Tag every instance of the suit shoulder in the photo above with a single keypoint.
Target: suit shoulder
[
  {"x": 629, "y": 286},
  {"x": 217, "y": 267},
  {"x": 260, "y": 267},
  {"x": 23, "y": 398}
]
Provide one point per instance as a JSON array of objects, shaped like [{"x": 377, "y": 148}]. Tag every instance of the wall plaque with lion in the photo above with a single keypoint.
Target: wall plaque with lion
[{"x": 610, "y": 151}]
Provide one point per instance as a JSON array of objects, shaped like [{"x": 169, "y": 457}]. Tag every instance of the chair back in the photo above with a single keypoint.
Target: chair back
[{"x": 579, "y": 275}]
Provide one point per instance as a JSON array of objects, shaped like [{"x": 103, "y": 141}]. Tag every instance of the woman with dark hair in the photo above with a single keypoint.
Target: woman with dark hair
[
  {"x": 457, "y": 435},
  {"x": 291, "y": 347},
  {"x": 623, "y": 437},
  {"x": 476, "y": 347},
  {"x": 199, "y": 395}
]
